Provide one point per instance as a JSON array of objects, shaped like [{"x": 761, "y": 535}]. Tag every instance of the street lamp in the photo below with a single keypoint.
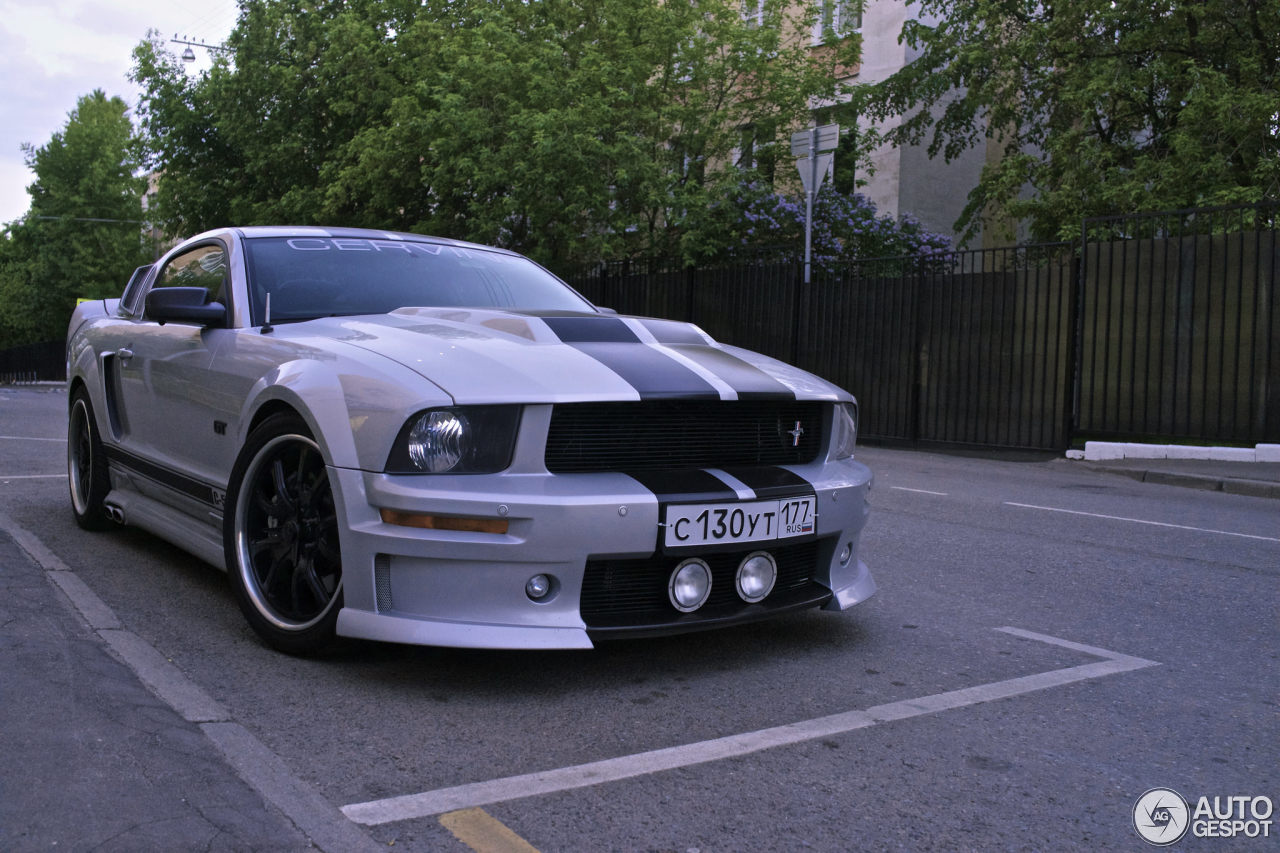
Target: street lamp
[{"x": 189, "y": 55}]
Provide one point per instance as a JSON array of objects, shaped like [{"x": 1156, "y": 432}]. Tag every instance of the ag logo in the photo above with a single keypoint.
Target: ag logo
[{"x": 1161, "y": 816}]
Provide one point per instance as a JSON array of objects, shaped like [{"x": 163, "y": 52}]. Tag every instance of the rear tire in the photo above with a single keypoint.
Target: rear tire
[
  {"x": 86, "y": 465},
  {"x": 280, "y": 536}
]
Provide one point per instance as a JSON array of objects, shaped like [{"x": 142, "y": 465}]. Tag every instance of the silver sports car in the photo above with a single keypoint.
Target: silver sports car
[{"x": 419, "y": 440}]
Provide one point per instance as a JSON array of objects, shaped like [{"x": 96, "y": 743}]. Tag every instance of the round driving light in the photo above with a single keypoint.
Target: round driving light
[
  {"x": 538, "y": 587},
  {"x": 845, "y": 553},
  {"x": 690, "y": 585},
  {"x": 437, "y": 441},
  {"x": 756, "y": 574}
]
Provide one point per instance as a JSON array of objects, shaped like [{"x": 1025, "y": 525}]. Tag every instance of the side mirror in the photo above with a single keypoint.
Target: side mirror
[{"x": 185, "y": 305}]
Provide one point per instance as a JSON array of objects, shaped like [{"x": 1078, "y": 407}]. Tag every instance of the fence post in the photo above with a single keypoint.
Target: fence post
[
  {"x": 1075, "y": 355},
  {"x": 690, "y": 275},
  {"x": 797, "y": 305},
  {"x": 919, "y": 349}
]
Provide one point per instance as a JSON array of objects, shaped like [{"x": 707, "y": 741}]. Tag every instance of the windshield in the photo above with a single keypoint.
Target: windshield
[{"x": 310, "y": 277}]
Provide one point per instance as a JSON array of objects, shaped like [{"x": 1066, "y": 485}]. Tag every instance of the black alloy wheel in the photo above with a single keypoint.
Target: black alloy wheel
[{"x": 282, "y": 541}]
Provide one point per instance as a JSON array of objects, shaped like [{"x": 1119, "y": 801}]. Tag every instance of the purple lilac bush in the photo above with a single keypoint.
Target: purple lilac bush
[{"x": 748, "y": 220}]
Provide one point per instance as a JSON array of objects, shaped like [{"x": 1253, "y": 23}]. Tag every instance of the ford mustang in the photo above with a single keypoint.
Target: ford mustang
[{"x": 419, "y": 440}]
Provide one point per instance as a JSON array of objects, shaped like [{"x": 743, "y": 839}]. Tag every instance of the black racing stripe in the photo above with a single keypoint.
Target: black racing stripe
[
  {"x": 591, "y": 330},
  {"x": 749, "y": 381},
  {"x": 772, "y": 482},
  {"x": 672, "y": 331},
  {"x": 653, "y": 374},
  {"x": 188, "y": 486},
  {"x": 684, "y": 486}
]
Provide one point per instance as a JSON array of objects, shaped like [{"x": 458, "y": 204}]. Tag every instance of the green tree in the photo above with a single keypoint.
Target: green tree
[
  {"x": 1099, "y": 106},
  {"x": 567, "y": 129},
  {"x": 83, "y": 235}
]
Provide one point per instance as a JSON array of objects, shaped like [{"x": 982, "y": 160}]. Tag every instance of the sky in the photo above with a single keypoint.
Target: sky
[{"x": 53, "y": 52}]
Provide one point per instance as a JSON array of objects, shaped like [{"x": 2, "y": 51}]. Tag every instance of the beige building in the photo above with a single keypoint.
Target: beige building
[{"x": 903, "y": 180}]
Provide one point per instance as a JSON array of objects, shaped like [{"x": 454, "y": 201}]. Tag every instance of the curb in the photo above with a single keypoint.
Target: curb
[
  {"x": 1106, "y": 451},
  {"x": 1230, "y": 485}
]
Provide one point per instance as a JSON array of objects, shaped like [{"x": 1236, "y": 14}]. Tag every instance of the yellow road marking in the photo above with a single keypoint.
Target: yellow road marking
[{"x": 484, "y": 833}]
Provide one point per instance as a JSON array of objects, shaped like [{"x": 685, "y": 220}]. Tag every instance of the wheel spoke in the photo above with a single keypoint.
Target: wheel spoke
[
  {"x": 262, "y": 502},
  {"x": 313, "y": 583},
  {"x": 282, "y": 488},
  {"x": 326, "y": 551},
  {"x": 266, "y": 582}
]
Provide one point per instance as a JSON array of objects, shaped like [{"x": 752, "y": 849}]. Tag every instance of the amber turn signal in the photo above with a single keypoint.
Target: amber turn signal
[{"x": 443, "y": 522}]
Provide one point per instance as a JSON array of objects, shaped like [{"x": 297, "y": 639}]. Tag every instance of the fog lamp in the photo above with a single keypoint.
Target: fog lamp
[
  {"x": 538, "y": 587},
  {"x": 756, "y": 575},
  {"x": 690, "y": 585},
  {"x": 845, "y": 553}
]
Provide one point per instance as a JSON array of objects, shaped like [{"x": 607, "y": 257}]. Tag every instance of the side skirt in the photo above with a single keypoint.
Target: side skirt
[{"x": 171, "y": 525}]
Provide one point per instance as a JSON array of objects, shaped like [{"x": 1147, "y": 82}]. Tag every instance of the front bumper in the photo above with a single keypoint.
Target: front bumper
[{"x": 467, "y": 589}]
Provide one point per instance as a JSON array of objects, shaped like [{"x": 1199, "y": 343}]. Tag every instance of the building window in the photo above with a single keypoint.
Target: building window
[
  {"x": 744, "y": 155},
  {"x": 753, "y": 12},
  {"x": 836, "y": 20}
]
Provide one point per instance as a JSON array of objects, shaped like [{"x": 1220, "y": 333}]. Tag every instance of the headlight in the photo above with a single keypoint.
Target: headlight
[
  {"x": 457, "y": 440},
  {"x": 845, "y": 436},
  {"x": 437, "y": 439}
]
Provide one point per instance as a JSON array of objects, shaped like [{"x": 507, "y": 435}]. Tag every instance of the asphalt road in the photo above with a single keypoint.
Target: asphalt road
[{"x": 1145, "y": 653}]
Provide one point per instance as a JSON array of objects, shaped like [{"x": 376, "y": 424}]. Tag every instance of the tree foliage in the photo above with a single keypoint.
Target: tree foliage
[
  {"x": 566, "y": 129},
  {"x": 1099, "y": 106},
  {"x": 83, "y": 234}
]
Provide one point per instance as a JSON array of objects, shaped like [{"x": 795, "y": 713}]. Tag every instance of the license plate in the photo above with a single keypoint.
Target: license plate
[{"x": 749, "y": 521}]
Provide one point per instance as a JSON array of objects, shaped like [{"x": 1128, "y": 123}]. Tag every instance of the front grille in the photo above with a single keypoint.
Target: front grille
[
  {"x": 667, "y": 434},
  {"x": 629, "y": 594}
]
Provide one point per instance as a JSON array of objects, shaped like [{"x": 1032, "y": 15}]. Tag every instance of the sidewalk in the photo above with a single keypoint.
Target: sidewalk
[
  {"x": 93, "y": 760},
  {"x": 1255, "y": 479}
]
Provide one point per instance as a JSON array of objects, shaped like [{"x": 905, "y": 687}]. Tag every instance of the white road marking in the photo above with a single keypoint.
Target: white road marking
[
  {"x": 30, "y": 438},
  {"x": 33, "y": 476},
  {"x": 613, "y": 769},
  {"x": 919, "y": 491},
  {"x": 1144, "y": 521}
]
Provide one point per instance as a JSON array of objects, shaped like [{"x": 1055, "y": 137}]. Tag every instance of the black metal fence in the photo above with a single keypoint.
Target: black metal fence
[
  {"x": 1161, "y": 327},
  {"x": 34, "y": 362},
  {"x": 970, "y": 348},
  {"x": 1180, "y": 331}
]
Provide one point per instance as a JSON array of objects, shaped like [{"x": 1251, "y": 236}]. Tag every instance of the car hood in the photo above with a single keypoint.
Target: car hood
[{"x": 487, "y": 356}]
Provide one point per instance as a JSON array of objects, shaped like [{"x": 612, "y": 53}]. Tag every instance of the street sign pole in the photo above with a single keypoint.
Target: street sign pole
[
  {"x": 813, "y": 171},
  {"x": 810, "y": 190}
]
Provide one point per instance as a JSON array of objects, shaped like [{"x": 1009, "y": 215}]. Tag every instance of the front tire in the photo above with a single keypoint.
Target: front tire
[
  {"x": 86, "y": 465},
  {"x": 280, "y": 536}
]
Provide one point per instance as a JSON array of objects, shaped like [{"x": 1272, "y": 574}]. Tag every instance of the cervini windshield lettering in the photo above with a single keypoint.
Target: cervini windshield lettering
[
  {"x": 312, "y": 276},
  {"x": 317, "y": 244}
]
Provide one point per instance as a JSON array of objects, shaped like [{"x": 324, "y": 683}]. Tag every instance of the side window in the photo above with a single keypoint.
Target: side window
[{"x": 203, "y": 266}]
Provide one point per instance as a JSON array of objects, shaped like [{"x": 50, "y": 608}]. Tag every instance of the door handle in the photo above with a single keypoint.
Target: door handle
[{"x": 124, "y": 354}]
